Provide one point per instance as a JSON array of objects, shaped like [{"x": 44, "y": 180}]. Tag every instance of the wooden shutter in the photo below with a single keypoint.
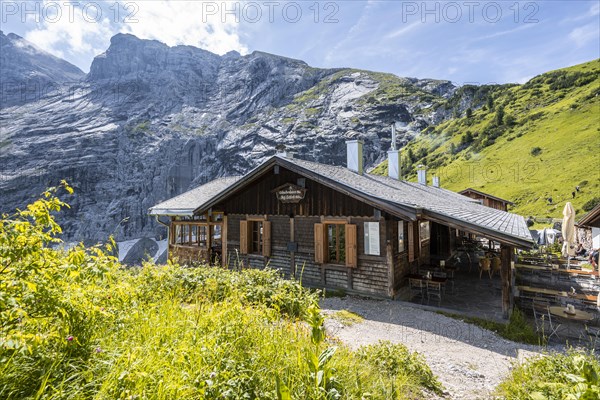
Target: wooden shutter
[
  {"x": 411, "y": 242},
  {"x": 351, "y": 247},
  {"x": 320, "y": 243},
  {"x": 266, "y": 250},
  {"x": 244, "y": 237}
]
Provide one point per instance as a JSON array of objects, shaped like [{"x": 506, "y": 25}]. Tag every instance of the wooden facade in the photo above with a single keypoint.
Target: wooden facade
[
  {"x": 258, "y": 230},
  {"x": 324, "y": 234}
]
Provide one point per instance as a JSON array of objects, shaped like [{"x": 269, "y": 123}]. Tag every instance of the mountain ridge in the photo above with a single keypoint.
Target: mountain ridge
[{"x": 150, "y": 121}]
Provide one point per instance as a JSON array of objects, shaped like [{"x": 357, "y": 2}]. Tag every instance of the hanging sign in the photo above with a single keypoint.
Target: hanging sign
[{"x": 290, "y": 193}]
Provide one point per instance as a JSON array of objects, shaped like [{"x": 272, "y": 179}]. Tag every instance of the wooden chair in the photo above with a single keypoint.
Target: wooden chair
[
  {"x": 543, "y": 320},
  {"x": 496, "y": 266},
  {"x": 417, "y": 288},
  {"x": 484, "y": 265},
  {"x": 434, "y": 289}
]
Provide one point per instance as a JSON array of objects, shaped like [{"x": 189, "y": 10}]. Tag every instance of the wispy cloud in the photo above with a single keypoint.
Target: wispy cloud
[
  {"x": 504, "y": 33},
  {"x": 582, "y": 35},
  {"x": 404, "y": 30}
]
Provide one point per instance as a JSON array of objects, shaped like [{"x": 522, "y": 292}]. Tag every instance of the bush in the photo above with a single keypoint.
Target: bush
[
  {"x": 535, "y": 151},
  {"x": 556, "y": 376},
  {"x": 589, "y": 205}
]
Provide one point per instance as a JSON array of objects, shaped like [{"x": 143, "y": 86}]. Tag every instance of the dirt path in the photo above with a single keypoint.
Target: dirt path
[{"x": 468, "y": 360}]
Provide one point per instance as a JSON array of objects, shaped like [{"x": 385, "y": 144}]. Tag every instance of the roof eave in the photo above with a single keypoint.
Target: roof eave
[
  {"x": 478, "y": 229},
  {"x": 171, "y": 212}
]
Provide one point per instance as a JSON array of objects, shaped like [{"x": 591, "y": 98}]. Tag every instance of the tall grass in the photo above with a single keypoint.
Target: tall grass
[
  {"x": 76, "y": 325},
  {"x": 574, "y": 375}
]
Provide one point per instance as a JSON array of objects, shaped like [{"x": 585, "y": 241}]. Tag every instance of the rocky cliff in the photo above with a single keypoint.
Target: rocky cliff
[
  {"x": 28, "y": 72},
  {"x": 150, "y": 121}
]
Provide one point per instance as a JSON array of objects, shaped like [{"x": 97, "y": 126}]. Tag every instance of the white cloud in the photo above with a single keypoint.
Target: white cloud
[
  {"x": 584, "y": 34},
  {"x": 205, "y": 24},
  {"x": 67, "y": 31},
  {"x": 81, "y": 32}
]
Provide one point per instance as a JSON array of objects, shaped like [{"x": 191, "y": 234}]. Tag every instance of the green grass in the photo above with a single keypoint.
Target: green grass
[
  {"x": 518, "y": 329},
  {"x": 549, "y": 147},
  {"x": 574, "y": 375},
  {"x": 347, "y": 318},
  {"x": 75, "y": 324}
]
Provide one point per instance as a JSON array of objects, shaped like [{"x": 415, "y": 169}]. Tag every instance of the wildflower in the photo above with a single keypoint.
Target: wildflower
[
  {"x": 98, "y": 350},
  {"x": 70, "y": 338}
]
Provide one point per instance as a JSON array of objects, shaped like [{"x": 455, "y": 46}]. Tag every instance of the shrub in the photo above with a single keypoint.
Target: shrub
[
  {"x": 556, "y": 376},
  {"x": 390, "y": 358},
  {"x": 535, "y": 151},
  {"x": 589, "y": 205}
]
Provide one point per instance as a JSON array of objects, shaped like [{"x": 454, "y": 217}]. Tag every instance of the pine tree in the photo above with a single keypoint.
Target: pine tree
[{"x": 500, "y": 116}]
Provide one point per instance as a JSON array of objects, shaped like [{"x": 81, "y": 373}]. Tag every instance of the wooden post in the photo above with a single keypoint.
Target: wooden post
[
  {"x": 390, "y": 228},
  {"x": 506, "y": 256},
  {"x": 292, "y": 254},
  {"x": 224, "y": 255}
]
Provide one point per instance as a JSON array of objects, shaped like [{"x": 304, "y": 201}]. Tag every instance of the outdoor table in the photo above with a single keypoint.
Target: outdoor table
[
  {"x": 579, "y": 316},
  {"x": 558, "y": 293},
  {"x": 424, "y": 278}
]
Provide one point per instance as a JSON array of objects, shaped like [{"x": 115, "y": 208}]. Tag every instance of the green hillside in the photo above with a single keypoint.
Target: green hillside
[{"x": 525, "y": 143}]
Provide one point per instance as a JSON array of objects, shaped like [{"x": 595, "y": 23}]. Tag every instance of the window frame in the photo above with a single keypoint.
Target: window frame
[
  {"x": 424, "y": 234},
  {"x": 402, "y": 245},
  {"x": 256, "y": 247},
  {"x": 340, "y": 226}
]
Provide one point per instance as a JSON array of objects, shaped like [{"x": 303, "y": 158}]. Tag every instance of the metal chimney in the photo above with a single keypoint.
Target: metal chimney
[
  {"x": 354, "y": 153},
  {"x": 394, "y": 157},
  {"x": 422, "y": 174},
  {"x": 436, "y": 181}
]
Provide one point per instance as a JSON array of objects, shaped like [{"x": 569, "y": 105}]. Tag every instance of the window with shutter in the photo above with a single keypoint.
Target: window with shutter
[
  {"x": 266, "y": 239},
  {"x": 244, "y": 237},
  {"x": 319, "y": 243},
  {"x": 351, "y": 246}
]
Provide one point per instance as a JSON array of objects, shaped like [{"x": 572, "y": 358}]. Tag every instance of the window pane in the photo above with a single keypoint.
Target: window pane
[
  {"x": 342, "y": 243},
  {"x": 257, "y": 232},
  {"x": 424, "y": 230},
  {"x": 401, "y": 244},
  {"x": 331, "y": 242}
]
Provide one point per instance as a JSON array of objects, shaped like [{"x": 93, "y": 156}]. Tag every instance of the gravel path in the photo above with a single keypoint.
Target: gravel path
[{"x": 468, "y": 360}]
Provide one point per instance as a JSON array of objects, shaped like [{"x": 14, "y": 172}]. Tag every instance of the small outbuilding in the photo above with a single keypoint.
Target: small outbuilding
[{"x": 487, "y": 199}]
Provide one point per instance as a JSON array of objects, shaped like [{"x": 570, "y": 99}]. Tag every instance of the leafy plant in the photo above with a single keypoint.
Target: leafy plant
[{"x": 555, "y": 376}]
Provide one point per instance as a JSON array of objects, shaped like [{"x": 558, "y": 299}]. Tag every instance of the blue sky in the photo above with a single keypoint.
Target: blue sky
[{"x": 463, "y": 41}]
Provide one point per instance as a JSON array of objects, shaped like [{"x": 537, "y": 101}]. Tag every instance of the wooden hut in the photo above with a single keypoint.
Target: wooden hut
[
  {"x": 487, "y": 199},
  {"x": 333, "y": 226}
]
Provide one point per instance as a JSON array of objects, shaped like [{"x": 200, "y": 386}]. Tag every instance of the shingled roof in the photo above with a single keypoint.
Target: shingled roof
[
  {"x": 186, "y": 203},
  {"x": 400, "y": 198}
]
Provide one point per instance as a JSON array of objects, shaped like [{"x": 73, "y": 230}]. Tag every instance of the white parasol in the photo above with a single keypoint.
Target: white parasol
[{"x": 568, "y": 230}]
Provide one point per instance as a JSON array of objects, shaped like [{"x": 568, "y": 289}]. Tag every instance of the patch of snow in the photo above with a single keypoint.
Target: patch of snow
[
  {"x": 125, "y": 246},
  {"x": 162, "y": 246}
]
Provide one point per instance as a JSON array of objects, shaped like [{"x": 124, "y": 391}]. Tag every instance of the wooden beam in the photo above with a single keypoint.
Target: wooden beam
[
  {"x": 506, "y": 256},
  {"x": 292, "y": 254}
]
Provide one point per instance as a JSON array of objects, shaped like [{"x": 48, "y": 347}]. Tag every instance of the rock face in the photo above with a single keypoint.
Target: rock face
[
  {"x": 151, "y": 121},
  {"x": 28, "y": 72}
]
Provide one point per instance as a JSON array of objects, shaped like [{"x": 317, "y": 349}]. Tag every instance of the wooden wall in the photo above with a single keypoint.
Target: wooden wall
[
  {"x": 258, "y": 198},
  {"x": 374, "y": 275}
]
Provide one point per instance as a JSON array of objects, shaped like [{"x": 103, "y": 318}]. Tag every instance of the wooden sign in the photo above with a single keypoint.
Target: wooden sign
[{"x": 290, "y": 193}]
